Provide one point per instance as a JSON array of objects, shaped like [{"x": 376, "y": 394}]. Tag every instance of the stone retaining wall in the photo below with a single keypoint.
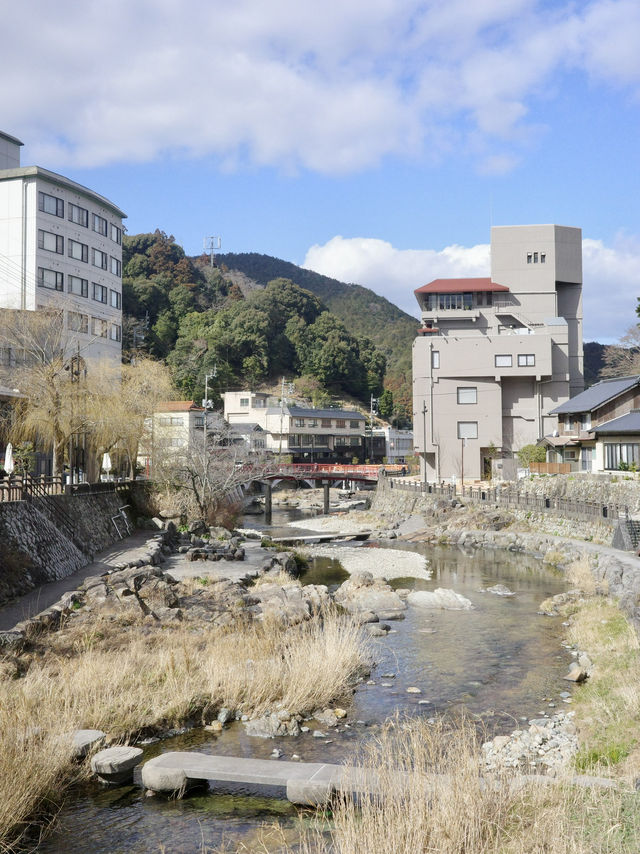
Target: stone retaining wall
[{"x": 33, "y": 549}]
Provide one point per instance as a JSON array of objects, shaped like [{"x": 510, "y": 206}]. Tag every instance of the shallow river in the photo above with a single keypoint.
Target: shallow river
[{"x": 501, "y": 661}]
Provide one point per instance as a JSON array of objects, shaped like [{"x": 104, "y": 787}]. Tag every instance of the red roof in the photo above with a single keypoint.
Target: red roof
[{"x": 458, "y": 286}]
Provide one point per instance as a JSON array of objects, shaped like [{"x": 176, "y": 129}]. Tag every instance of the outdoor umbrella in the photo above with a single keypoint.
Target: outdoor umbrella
[
  {"x": 106, "y": 463},
  {"x": 8, "y": 459}
]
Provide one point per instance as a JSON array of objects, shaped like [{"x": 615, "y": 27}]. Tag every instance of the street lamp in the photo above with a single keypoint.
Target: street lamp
[{"x": 424, "y": 439}]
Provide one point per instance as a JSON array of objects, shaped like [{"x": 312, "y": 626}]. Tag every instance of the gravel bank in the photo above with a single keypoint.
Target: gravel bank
[{"x": 381, "y": 563}]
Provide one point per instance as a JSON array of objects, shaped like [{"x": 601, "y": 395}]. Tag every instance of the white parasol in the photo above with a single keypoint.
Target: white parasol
[
  {"x": 106, "y": 463},
  {"x": 8, "y": 459}
]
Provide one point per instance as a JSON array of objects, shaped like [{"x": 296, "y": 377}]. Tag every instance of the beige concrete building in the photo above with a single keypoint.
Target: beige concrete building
[
  {"x": 495, "y": 355},
  {"x": 307, "y": 435},
  {"x": 61, "y": 248}
]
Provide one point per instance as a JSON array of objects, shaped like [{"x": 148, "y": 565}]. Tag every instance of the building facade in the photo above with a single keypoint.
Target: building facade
[
  {"x": 307, "y": 435},
  {"x": 495, "y": 355},
  {"x": 61, "y": 248}
]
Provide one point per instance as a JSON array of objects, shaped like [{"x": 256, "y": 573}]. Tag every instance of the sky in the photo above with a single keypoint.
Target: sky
[{"x": 375, "y": 141}]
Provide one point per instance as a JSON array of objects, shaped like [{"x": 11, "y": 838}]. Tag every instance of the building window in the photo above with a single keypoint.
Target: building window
[
  {"x": 99, "y": 327},
  {"x": 116, "y": 299},
  {"x": 503, "y": 360},
  {"x": 294, "y": 440},
  {"x": 116, "y": 233},
  {"x": 354, "y": 441},
  {"x": 79, "y": 215},
  {"x": 244, "y": 401},
  {"x": 50, "y": 242},
  {"x": 171, "y": 421},
  {"x": 259, "y": 403},
  {"x": 298, "y": 422},
  {"x": 586, "y": 421},
  {"x": 116, "y": 266},
  {"x": 567, "y": 422},
  {"x": 340, "y": 440},
  {"x": 529, "y": 257},
  {"x": 50, "y": 204},
  {"x": 621, "y": 454},
  {"x": 99, "y": 225},
  {"x": 198, "y": 421},
  {"x": 543, "y": 257},
  {"x": 50, "y": 279},
  {"x": 79, "y": 251},
  {"x": 341, "y": 423},
  {"x": 312, "y": 422},
  {"x": 354, "y": 425},
  {"x": 467, "y": 394},
  {"x": 526, "y": 360},
  {"x": 100, "y": 293},
  {"x": 115, "y": 332},
  {"x": 435, "y": 358},
  {"x": 467, "y": 429},
  {"x": 78, "y": 286},
  {"x": 325, "y": 422},
  {"x": 77, "y": 322},
  {"x": 99, "y": 259}
]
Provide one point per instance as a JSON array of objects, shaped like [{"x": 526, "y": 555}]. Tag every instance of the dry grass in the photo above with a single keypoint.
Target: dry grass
[
  {"x": 608, "y": 704},
  {"x": 440, "y": 804},
  {"x": 135, "y": 682},
  {"x": 579, "y": 575},
  {"x": 281, "y": 578}
]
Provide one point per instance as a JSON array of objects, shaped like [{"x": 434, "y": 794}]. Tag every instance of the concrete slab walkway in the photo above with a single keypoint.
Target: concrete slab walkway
[{"x": 310, "y": 783}]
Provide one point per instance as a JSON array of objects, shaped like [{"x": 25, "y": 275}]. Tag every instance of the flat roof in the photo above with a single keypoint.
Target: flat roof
[
  {"x": 13, "y": 139},
  {"x": 455, "y": 286},
  {"x": 55, "y": 178},
  {"x": 597, "y": 395},
  {"x": 325, "y": 413}
]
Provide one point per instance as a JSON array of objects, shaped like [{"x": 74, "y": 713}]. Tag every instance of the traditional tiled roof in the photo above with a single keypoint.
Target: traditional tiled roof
[
  {"x": 597, "y": 395},
  {"x": 299, "y": 412},
  {"x": 178, "y": 406},
  {"x": 629, "y": 423},
  {"x": 457, "y": 286}
]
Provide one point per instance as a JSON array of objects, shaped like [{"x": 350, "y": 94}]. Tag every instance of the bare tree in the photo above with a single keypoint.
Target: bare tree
[
  {"x": 201, "y": 479},
  {"x": 623, "y": 359}
]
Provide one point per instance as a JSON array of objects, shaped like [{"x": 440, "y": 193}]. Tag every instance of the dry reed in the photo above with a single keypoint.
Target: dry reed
[{"x": 141, "y": 682}]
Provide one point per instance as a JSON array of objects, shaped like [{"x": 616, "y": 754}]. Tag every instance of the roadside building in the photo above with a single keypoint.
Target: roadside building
[
  {"x": 61, "y": 248},
  {"x": 598, "y": 430},
  {"x": 495, "y": 355},
  {"x": 176, "y": 429},
  {"x": 307, "y": 435}
]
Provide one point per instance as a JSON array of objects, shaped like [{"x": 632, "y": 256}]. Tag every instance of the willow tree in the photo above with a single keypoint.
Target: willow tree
[
  {"x": 120, "y": 407},
  {"x": 39, "y": 362}
]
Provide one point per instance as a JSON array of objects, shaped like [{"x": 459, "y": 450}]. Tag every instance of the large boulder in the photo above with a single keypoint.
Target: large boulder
[
  {"x": 362, "y": 592},
  {"x": 439, "y": 599}
]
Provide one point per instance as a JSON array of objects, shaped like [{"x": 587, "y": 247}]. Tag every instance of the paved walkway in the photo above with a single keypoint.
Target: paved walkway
[{"x": 42, "y": 597}]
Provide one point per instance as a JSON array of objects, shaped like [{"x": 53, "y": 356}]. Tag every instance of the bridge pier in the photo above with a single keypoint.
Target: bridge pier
[
  {"x": 267, "y": 504},
  {"x": 325, "y": 496}
]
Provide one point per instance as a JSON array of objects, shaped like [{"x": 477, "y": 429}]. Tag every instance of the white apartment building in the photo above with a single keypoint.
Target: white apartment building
[
  {"x": 495, "y": 355},
  {"x": 308, "y": 435},
  {"x": 61, "y": 247}
]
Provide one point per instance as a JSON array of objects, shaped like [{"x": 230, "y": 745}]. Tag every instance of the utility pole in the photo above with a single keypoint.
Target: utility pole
[
  {"x": 206, "y": 402},
  {"x": 462, "y": 466},
  {"x": 281, "y": 420},
  {"x": 424, "y": 439},
  {"x": 373, "y": 403}
]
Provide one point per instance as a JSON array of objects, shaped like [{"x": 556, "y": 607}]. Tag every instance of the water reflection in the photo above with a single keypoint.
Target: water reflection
[{"x": 499, "y": 661}]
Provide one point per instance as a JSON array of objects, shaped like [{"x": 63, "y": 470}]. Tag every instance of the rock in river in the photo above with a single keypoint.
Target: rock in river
[{"x": 441, "y": 598}]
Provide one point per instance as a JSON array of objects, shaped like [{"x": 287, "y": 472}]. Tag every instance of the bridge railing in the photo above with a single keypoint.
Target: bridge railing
[{"x": 318, "y": 470}]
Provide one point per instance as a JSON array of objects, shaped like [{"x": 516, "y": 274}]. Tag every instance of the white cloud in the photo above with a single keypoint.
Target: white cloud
[
  {"x": 610, "y": 273},
  {"x": 332, "y": 87}
]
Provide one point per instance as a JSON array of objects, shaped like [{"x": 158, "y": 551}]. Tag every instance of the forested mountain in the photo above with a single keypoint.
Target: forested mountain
[
  {"x": 360, "y": 309},
  {"x": 198, "y": 319}
]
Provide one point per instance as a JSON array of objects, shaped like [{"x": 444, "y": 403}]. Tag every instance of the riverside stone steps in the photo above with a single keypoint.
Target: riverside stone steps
[{"x": 309, "y": 783}]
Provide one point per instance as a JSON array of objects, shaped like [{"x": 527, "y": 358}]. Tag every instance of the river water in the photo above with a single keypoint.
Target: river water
[{"x": 501, "y": 662}]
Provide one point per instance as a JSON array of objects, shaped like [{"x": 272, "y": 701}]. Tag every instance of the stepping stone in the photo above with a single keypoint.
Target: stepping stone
[
  {"x": 115, "y": 764},
  {"x": 83, "y": 740}
]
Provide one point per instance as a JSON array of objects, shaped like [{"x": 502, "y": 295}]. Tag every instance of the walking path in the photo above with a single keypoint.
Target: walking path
[{"x": 42, "y": 597}]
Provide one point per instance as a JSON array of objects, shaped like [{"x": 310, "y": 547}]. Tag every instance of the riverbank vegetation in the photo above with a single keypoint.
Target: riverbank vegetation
[{"x": 124, "y": 675}]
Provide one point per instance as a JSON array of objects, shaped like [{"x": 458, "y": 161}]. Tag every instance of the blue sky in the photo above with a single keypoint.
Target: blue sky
[{"x": 372, "y": 140}]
